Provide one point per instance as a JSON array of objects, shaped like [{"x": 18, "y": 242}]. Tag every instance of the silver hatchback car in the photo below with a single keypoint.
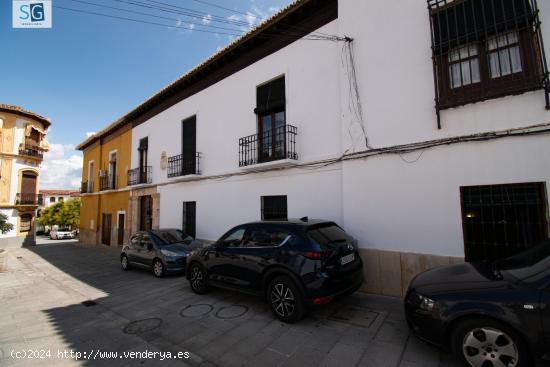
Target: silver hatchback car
[{"x": 162, "y": 250}]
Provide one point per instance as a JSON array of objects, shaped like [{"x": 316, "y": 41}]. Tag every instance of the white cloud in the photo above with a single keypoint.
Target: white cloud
[
  {"x": 90, "y": 133},
  {"x": 207, "y": 19},
  {"x": 61, "y": 168}
]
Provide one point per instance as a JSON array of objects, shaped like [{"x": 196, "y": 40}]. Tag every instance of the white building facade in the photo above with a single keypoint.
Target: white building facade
[{"x": 424, "y": 139}]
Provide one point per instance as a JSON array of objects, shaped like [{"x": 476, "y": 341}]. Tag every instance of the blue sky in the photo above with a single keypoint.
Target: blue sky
[{"x": 89, "y": 70}]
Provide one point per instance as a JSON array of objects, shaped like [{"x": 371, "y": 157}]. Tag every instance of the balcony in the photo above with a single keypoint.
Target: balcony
[
  {"x": 108, "y": 182},
  {"x": 138, "y": 176},
  {"x": 277, "y": 144},
  {"x": 87, "y": 187},
  {"x": 28, "y": 199},
  {"x": 182, "y": 166},
  {"x": 30, "y": 150}
]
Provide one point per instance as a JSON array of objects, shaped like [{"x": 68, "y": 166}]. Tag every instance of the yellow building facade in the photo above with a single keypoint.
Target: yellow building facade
[
  {"x": 104, "y": 192},
  {"x": 22, "y": 147}
]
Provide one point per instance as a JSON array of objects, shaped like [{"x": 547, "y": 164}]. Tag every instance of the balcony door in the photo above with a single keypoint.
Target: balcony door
[
  {"x": 271, "y": 136},
  {"x": 270, "y": 109},
  {"x": 143, "y": 152},
  {"x": 188, "y": 145},
  {"x": 28, "y": 188}
]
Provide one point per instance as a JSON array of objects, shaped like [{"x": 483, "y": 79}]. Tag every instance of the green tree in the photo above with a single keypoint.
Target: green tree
[
  {"x": 5, "y": 227},
  {"x": 65, "y": 214}
]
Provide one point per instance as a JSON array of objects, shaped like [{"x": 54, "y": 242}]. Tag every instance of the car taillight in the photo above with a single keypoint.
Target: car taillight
[{"x": 317, "y": 255}]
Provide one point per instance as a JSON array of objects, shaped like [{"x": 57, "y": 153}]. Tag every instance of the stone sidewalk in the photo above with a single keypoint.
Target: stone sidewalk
[{"x": 42, "y": 295}]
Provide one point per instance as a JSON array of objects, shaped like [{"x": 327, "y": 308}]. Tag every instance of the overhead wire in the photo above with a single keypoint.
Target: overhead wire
[
  {"x": 225, "y": 31},
  {"x": 153, "y": 15}
]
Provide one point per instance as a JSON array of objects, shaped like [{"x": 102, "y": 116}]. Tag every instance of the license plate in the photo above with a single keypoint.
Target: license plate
[{"x": 347, "y": 259}]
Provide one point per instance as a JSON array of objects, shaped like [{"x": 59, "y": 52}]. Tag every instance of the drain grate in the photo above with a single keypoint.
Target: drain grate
[
  {"x": 231, "y": 312},
  {"x": 197, "y": 310},
  {"x": 142, "y": 326},
  {"x": 89, "y": 303},
  {"x": 352, "y": 315}
]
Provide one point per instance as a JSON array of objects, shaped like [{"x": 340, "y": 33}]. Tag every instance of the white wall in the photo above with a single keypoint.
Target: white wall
[
  {"x": 393, "y": 205},
  {"x": 225, "y": 110},
  {"x": 383, "y": 201},
  {"x": 224, "y": 204},
  {"x": 392, "y": 47}
]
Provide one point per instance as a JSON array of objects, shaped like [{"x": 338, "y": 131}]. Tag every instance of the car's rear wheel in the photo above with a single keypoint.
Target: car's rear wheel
[
  {"x": 286, "y": 300},
  {"x": 158, "y": 268},
  {"x": 124, "y": 262},
  {"x": 198, "y": 279},
  {"x": 484, "y": 342}
]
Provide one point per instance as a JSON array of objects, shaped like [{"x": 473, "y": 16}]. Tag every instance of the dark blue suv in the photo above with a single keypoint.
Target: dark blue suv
[{"x": 292, "y": 264}]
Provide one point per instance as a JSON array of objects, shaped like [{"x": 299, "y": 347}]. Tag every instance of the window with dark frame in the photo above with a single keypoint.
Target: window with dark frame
[
  {"x": 274, "y": 207},
  {"x": 485, "y": 49},
  {"x": 502, "y": 220}
]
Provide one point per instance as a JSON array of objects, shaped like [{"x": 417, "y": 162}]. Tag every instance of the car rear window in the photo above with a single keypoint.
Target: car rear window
[{"x": 327, "y": 233}]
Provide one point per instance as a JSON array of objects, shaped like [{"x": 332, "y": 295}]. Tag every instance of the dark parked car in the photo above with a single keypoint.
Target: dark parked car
[
  {"x": 293, "y": 264},
  {"x": 163, "y": 250},
  {"x": 490, "y": 314}
]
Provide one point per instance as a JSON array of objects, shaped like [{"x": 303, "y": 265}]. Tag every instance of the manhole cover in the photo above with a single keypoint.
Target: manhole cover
[
  {"x": 142, "y": 326},
  {"x": 354, "y": 316},
  {"x": 231, "y": 312},
  {"x": 196, "y": 310}
]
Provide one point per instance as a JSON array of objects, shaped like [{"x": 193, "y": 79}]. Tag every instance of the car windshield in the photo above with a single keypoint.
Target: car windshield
[
  {"x": 172, "y": 236},
  {"x": 528, "y": 266},
  {"x": 327, "y": 233}
]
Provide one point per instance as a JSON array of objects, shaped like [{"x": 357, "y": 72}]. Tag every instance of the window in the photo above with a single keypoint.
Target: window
[
  {"x": 267, "y": 237},
  {"x": 485, "y": 49},
  {"x": 502, "y": 220},
  {"x": 464, "y": 66},
  {"x": 60, "y": 199},
  {"x": 504, "y": 55},
  {"x": 25, "y": 223},
  {"x": 189, "y": 218},
  {"x": 274, "y": 207},
  {"x": 112, "y": 170},
  {"x": 52, "y": 199},
  {"x": 146, "y": 241},
  {"x": 143, "y": 170},
  {"x": 234, "y": 237},
  {"x": 134, "y": 240},
  {"x": 270, "y": 109}
]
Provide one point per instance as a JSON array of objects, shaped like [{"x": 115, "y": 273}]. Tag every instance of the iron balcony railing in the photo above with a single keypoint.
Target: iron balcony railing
[
  {"x": 87, "y": 187},
  {"x": 270, "y": 145},
  {"x": 108, "y": 182},
  {"x": 30, "y": 151},
  {"x": 28, "y": 199},
  {"x": 180, "y": 165},
  {"x": 140, "y": 175}
]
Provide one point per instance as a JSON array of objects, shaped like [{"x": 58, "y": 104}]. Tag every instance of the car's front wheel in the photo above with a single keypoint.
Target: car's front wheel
[
  {"x": 286, "y": 300},
  {"x": 198, "y": 279},
  {"x": 158, "y": 268},
  {"x": 484, "y": 342}
]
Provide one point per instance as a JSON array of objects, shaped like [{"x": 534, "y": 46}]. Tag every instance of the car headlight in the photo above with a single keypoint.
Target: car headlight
[
  {"x": 425, "y": 303},
  {"x": 170, "y": 253}
]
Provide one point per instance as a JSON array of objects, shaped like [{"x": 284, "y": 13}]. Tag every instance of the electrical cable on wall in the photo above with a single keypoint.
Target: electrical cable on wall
[{"x": 540, "y": 129}]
